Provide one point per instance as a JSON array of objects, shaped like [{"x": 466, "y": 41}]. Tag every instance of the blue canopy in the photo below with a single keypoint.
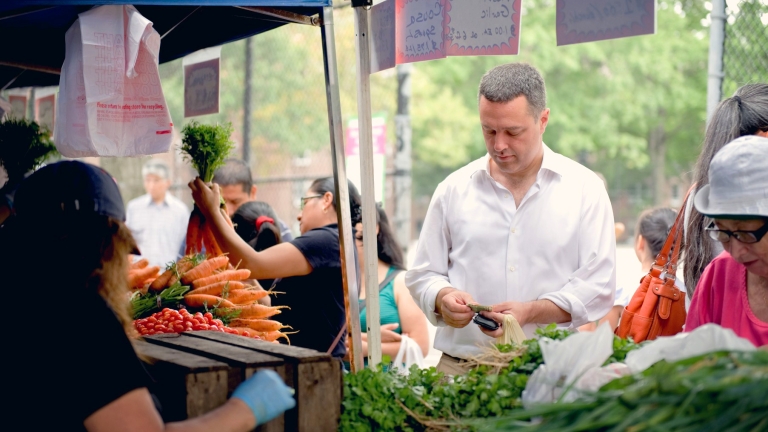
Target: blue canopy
[{"x": 32, "y": 31}]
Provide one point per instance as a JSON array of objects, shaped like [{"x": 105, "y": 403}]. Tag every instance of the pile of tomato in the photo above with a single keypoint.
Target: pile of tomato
[{"x": 177, "y": 321}]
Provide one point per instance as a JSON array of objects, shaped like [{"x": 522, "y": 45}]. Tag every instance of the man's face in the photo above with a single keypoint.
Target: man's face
[
  {"x": 512, "y": 135},
  {"x": 235, "y": 196},
  {"x": 156, "y": 186}
]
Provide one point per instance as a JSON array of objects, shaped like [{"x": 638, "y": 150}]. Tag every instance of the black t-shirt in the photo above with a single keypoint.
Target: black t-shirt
[
  {"x": 317, "y": 299},
  {"x": 81, "y": 363}
]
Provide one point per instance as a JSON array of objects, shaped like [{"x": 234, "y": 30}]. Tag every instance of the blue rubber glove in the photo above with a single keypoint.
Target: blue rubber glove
[{"x": 266, "y": 395}]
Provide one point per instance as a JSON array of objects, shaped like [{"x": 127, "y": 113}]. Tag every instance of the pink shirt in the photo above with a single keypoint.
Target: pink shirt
[{"x": 721, "y": 298}]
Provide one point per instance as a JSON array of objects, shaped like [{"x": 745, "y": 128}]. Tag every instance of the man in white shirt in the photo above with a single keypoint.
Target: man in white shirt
[
  {"x": 523, "y": 229},
  {"x": 158, "y": 220}
]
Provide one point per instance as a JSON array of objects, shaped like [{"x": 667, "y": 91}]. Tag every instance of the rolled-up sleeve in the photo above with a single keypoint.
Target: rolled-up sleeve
[
  {"x": 429, "y": 273},
  {"x": 589, "y": 294}
]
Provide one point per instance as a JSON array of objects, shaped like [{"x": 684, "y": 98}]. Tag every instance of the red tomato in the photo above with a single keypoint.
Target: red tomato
[
  {"x": 152, "y": 319},
  {"x": 188, "y": 325},
  {"x": 218, "y": 322},
  {"x": 214, "y": 327},
  {"x": 160, "y": 328},
  {"x": 208, "y": 316}
]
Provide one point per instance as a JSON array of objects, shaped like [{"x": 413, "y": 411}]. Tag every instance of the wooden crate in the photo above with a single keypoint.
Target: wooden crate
[{"x": 196, "y": 372}]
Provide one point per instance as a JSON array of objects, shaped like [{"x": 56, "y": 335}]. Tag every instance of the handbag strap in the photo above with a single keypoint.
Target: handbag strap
[
  {"x": 390, "y": 277},
  {"x": 666, "y": 260}
]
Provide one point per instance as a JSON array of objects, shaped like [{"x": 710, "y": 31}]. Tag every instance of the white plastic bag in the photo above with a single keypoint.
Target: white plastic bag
[
  {"x": 573, "y": 365},
  {"x": 705, "y": 339},
  {"x": 408, "y": 355},
  {"x": 110, "y": 99}
]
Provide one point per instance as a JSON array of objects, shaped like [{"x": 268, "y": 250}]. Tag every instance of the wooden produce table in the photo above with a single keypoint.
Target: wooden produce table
[{"x": 196, "y": 372}]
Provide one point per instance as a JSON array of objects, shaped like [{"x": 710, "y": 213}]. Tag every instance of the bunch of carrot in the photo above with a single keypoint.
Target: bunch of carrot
[
  {"x": 199, "y": 234},
  {"x": 141, "y": 275},
  {"x": 218, "y": 287}
]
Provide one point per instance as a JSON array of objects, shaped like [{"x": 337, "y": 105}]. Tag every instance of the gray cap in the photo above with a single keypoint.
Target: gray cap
[{"x": 738, "y": 180}]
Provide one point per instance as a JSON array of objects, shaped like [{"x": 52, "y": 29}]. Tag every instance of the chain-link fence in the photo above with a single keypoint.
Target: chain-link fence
[{"x": 745, "y": 50}]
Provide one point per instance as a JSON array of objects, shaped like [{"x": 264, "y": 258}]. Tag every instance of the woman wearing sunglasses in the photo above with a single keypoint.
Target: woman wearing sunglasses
[
  {"x": 733, "y": 290},
  {"x": 309, "y": 266}
]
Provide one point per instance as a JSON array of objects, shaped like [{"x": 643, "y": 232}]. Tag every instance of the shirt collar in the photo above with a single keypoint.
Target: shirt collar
[
  {"x": 550, "y": 162},
  {"x": 150, "y": 202}
]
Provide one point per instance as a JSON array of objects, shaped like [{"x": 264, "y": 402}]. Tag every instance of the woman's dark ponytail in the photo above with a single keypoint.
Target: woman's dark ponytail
[{"x": 256, "y": 223}]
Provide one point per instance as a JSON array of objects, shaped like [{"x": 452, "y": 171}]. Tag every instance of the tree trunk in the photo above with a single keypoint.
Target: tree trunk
[{"x": 657, "y": 150}]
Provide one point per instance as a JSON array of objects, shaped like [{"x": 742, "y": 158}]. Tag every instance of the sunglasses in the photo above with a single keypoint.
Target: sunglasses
[{"x": 746, "y": 237}]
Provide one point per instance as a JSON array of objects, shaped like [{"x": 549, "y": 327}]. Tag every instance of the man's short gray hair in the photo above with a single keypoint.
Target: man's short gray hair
[
  {"x": 509, "y": 81},
  {"x": 156, "y": 167}
]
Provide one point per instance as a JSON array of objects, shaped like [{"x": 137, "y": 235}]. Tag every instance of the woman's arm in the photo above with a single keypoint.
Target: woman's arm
[
  {"x": 413, "y": 322},
  {"x": 135, "y": 411},
  {"x": 283, "y": 260}
]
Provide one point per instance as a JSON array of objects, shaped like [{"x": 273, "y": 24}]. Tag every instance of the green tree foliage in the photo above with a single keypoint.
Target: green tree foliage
[{"x": 636, "y": 104}]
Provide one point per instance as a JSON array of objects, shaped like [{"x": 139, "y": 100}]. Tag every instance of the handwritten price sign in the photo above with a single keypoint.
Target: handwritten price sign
[
  {"x": 383, "y": 36},
  {"x": 593, "y": 20},
  {"x": 419, "y": 33},
  {"x": 487, "y": 27},
  {"x": 201, "y": 88}
]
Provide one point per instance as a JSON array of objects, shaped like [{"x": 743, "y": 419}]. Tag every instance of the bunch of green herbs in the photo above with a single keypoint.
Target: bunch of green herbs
[
  {"x": 24, "y": 146},
  {"x": 206, "y": 147},
  {"x": 144, "y": 305}
]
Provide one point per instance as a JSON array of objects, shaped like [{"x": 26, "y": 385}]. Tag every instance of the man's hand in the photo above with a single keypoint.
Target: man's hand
[
  {"x": 451, "y": 304},
  {"x": 517, "y": 309},
  {"x": 207, "y": 199}
]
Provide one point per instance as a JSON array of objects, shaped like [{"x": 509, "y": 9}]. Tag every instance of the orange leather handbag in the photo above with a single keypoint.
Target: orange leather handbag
[{"x": 658, "y": 307}]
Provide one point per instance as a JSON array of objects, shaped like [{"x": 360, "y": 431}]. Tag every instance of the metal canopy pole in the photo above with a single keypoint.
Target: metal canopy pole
[
  {"x": 715, "y": 72},
  {"x": 362, "y": 45},
  {"x": 349, "y": 273}
]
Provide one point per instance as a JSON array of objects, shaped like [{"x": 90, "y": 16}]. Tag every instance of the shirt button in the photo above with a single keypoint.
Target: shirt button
[
  {"x": 511, "y": 268},
  {"x": 512, "y": 230}
]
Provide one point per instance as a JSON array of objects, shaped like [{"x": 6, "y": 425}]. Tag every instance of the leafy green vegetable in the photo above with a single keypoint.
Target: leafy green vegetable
[
  {"x": 24, "y": 145},
  {"x": 143, "y": 305},
  {"x": 206, "y": 147}
]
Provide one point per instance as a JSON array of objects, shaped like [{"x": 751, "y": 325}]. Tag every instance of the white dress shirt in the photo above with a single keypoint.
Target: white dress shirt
[
  {"x": 159, "y": 229},
  {"x": 559, "y": 245}
]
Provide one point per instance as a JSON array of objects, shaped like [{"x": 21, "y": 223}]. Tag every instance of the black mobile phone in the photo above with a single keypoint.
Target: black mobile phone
[{"x": 484, "y": 322}]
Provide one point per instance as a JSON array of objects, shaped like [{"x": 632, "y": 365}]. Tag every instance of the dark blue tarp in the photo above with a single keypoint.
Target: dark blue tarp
[{"x": 32, "y": 31}]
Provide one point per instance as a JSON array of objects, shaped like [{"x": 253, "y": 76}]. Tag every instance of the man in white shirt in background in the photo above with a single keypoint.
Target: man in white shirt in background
[
  {"x": 158, "y": 220},
  {"x": 523, "y": 229}
]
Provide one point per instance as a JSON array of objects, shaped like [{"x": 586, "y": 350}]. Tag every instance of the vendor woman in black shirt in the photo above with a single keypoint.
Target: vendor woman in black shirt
[
  {"x": 66, "y": 252},
  {"x": 309, "y": 266}
]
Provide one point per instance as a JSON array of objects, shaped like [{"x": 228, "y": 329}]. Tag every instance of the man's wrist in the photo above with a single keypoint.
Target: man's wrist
[{"x": 439, "y": 298}]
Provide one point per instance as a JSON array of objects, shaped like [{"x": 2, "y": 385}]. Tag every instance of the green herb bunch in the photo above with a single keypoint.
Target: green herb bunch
[
  {"x": 375, "y": 399},
  {"x": 144, "y": 305},
  {"x": 726, "y": 391},
  {"x": 206, "y": 147},
  {"x": 24, "y": 145}
]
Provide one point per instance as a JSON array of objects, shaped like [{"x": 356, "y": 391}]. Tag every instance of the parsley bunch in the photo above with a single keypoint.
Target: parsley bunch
[
  {"x": 24, "y": 145},
  {"x": 206, "y": 147}
]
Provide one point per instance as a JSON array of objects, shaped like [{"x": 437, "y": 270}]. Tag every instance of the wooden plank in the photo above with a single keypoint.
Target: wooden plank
[
  {"x": 297, "y": 354},
  {"x": 227, "y": 353},
  {"x": 318, "y": 396},
  {"x": 194, "y": 363},
  {"x": 206, "y": 392}
]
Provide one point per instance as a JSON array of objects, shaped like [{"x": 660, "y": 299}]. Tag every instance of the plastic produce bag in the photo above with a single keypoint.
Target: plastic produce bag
[
  {"x": 572, "y": 366},
  {"x": 408, "y": 355},
  {"x": 110, "y": 99},
  {"x": 705, "y": 339}
]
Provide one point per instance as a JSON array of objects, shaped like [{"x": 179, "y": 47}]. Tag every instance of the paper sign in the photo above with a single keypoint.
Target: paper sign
[
  {"x": 202, "y": 82},
  {"x": 18, "y": 106},
  {"x": 419, "y": 34},
  {"x": 383, "y": 36},
  {"x": 593, "y": 20},
  {"x": 45, "y": 109},
  {"x": 487, "y": 27}
]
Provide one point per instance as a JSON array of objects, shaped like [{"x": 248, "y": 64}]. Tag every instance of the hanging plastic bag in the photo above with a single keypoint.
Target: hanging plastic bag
[
  {"x": 572, "y": 366},
  {"x": 408, "y": 355},
  {"x": 110, "y": 99}
]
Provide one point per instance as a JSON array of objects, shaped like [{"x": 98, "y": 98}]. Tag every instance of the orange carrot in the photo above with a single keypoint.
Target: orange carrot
[
  {"x": 199, "y": 239},
  {"x": 204, "y": 269},
  {"x": 161, "y": 281},
  {"x": 247, "y": 296},
  {"x": 226, "y": 275},
  {"x": 200, "y": 300},
  {"x": 193, "y": 232},
  {"x": 275, "y": 335},
  {"x": 250, "y": 332},
  {"x": 218, "y": 288},
  {"x": 209, "y": 241},
  {"x": 257, "y": 311},
  {"x": 262, "y": 325},
  {"x": 140, "y": 264},
  {"x": 137, "y": 278},
  {"x": 182, "y": 266}
]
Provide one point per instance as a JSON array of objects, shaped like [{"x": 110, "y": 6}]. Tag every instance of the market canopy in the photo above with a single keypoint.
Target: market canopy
[{"x": 32, "y": 31}]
